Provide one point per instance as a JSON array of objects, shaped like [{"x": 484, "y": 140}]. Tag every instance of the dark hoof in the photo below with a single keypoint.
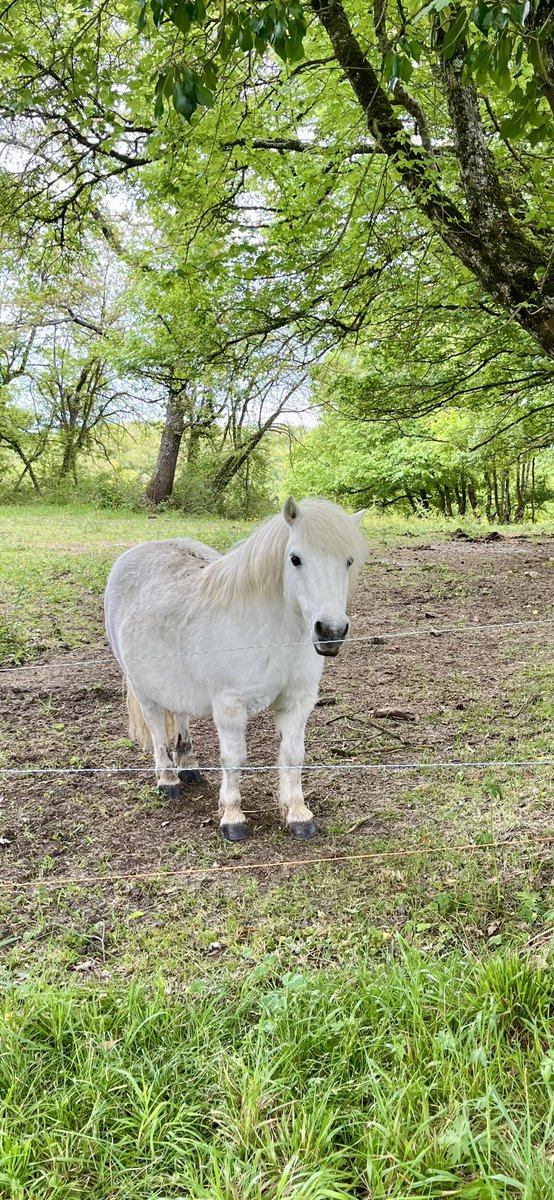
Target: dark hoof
[
  {"x": 303, "y": 830},
  {"x": 171, "y": 791},
  {"x": 235, "y": 833},
  {"x": 190, "y": 775}
]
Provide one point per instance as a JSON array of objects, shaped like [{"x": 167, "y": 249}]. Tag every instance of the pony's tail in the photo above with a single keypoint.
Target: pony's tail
[{"x": 138, "y": 729}]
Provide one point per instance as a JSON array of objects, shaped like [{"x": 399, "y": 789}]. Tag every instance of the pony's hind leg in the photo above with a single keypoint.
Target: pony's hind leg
[
  {"x": 166, "y": 775},
  {"x": 183, "y": 754},
  {"x": 230, "y": 717},
  {"x": 290, "y": 719}
]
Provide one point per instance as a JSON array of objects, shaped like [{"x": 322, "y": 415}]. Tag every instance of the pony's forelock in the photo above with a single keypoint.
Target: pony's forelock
[{"x": 255, "y": 566}]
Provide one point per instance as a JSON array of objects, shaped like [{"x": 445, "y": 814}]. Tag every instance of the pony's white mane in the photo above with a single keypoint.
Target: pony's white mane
[{"x": 255, "y": 566}]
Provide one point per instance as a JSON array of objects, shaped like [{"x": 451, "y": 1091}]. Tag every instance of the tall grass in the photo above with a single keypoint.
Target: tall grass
[{"x": 412, "y": 1079}]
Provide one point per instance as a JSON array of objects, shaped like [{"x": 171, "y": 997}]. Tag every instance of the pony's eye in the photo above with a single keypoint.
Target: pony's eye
[
  {"x": 349, "y": 562},
  {"x": 295, "y": 560}
]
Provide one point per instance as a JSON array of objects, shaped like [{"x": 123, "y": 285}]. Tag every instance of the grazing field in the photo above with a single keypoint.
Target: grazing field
[{"x": 374, "y": 1027}]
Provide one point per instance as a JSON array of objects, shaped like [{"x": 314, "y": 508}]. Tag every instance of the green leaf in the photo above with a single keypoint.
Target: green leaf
[
  {"x": 157, "y": 12},
  {"x": 499, "y": 62},
  {"x": 296, "y": 49},
  {"x": 168, "y": 82},
  {"x": 280, "y": 47},
  {"x": 204, "y": 95},
  {"x": 542, "y": 133},
  {"x": 181, "y": 16},
  {"x": 513, "y": 127},
  {"x": 436, "y": 6},
  {"x": 411, "y": 48},
  {"x": 482, "y": 61},
  {"x": 141, "y": 19},
  {"x": 183, "y": 101},
  {"x": 210, "y": 75},
  {"x": 160, "y": 83},
  {"x": 246, "y": 39},
  {"x": 454, "y": 36},
  {"x": 390, "y": 69},
  {"x": 404, "y": 68}
]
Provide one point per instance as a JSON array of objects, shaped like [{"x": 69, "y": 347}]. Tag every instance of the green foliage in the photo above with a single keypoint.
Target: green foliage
[
  {"x": 249, "y": 493},
  {"x": 217, "y": 266},
  {"x": 433, "y": 417},
  {"x": 427, "y": 465},
  {"x": 252, "y": 30},
  {"x": 506, "y": 45}
]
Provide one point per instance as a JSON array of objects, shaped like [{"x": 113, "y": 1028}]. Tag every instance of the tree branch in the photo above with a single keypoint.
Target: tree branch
[{"x": 501, "y": 256}]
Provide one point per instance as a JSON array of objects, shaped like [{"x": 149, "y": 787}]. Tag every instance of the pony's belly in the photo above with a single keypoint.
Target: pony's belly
[{"x": 174, "y": 689}]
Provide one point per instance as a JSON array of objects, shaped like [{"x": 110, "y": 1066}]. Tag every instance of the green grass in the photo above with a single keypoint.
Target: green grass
[
  {"x": 55, "y": 562},
  {"x": 407, "y": 1079}
]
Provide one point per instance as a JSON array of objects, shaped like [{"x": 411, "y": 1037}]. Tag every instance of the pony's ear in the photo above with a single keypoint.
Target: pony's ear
[
  {"x": 290, "y": 510},
  {"x": 358, "y": 517}
]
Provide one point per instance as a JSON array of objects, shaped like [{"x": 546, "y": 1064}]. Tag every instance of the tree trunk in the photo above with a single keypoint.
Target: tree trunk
[
  {"x": 461, "y": 497},
  {"x": 28, "y": 467},
  {"x": 424, "y": 500},
  {"x": 69, "y": 461},
  {"x": 497, "y": 497},
  {"x": 488, "y": 505},
  {"x": 522, "y": 475},
  {"x": 472, "y": 495},
  {"x": 160, "y": 486},
  {"x": 234, "y": 462},
  {"x": 507, "y": 497}
]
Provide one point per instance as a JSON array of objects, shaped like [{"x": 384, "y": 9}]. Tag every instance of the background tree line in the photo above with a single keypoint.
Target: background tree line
[{"x": 209, "y": 219}]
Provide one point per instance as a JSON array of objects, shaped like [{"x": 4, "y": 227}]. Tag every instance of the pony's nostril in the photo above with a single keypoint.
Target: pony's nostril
[{"x": 330, "y": 633}]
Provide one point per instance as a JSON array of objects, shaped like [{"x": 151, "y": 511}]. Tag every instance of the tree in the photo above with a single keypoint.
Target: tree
[
  {"x": 220, "y": 384},
  {"x": 16, "y": 343},
  {"x": 397, "y": 167},
  {"x": 60, "y": 384},
  {"x": 449, "y": 459},
  {"x": 454, "y": 172}
]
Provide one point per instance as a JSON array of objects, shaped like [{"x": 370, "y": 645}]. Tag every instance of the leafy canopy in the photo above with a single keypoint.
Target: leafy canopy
[{"x": 506, "y": 44}]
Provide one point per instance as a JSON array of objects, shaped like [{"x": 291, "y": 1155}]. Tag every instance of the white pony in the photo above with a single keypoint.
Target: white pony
[{"x": 198, "y": 633}]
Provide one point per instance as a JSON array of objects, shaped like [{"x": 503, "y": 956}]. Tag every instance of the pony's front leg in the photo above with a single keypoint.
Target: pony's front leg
[
  {"x": 230, "y": 719},
  {"x": 291, "y": 724}
]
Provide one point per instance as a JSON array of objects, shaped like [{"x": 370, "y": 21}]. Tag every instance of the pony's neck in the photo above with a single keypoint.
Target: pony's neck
[{"x": 254, "y": 569}]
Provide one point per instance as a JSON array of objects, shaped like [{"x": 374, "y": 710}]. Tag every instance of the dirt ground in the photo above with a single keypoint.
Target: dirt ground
[{"x": 471, "y": 695}]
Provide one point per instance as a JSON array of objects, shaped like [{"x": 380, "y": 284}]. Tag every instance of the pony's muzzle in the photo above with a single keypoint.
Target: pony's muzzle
[{"x": 328, "y": 639}]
